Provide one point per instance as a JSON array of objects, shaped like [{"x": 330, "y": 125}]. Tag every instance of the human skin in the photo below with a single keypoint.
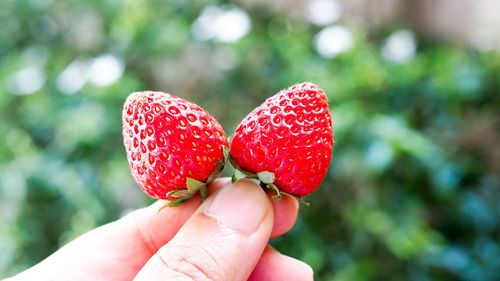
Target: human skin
[{"x": 223, "y": 238}]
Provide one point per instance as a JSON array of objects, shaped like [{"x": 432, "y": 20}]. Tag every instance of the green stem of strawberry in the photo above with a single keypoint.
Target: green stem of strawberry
[
  {"x": 203, "y": 192},
  {"x": 265, "y": 179}
]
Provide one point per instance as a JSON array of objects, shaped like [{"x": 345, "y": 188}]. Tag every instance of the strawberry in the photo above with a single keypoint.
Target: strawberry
[
  {"x": 287, "y": 141},
  {"x": 174, "y": 147}
]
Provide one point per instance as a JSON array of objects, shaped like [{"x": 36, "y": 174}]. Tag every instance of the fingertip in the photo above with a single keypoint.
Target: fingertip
[
  {"x": 242, "y": 205},
  {"x": 217, "y": 184},
  {"x": 298, "y": 268},
  {"x": 285, "y": 213},
  {"x": 278, "y": 267}
]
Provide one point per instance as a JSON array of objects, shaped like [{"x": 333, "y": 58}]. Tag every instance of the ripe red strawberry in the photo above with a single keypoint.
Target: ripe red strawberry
[
  {"x": 289, "y": 138},
  {"x": 172, "y": 145}
]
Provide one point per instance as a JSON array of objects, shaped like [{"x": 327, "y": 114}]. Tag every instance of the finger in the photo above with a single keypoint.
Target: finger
[
  {"x": 152, "y": 227},
  {"x": 285, "y": 213},
  {"x": 217, "y": 184},
  {"x": 285, "y": 209},
  {"x": 277, "y": 267},
  {"x": 223, "y": 240},
  {"x": 126, "y": 243}
]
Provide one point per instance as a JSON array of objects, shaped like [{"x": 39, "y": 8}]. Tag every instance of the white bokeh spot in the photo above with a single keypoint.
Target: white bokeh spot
[
  {"x": 27, "y": 81},
  {"x": 400, "y": 47},
  {"x": 73, "y": 77},
  {"x": 333, "y": 40},
  {"x": 323, "y": 12},
  {"x": 105, "y": 70},
  {"x": 221, "y": 24}
]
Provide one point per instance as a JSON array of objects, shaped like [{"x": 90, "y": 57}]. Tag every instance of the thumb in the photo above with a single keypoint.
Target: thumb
[{"x": 223, "y": 240}]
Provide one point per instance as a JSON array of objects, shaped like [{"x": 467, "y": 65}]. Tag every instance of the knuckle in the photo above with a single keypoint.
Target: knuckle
[{"x": 194, "y": 263}]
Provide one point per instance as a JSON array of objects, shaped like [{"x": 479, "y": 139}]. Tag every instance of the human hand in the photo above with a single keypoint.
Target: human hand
[{"x": 223, "y": 238}]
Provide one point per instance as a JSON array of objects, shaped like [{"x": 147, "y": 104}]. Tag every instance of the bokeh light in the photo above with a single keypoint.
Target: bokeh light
[
  {"x": 333, "y": 40},
  {"x": 221, "y": 24}
]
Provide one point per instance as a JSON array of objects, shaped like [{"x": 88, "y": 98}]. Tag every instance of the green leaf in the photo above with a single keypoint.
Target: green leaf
[
  {"x": 275, "y": 188},
  {"x": 173, "y": 203},
  {"x": 193, "y": 185},
  {"x": 216, "y": 172},
  {"x": 233, "y": 163},
  {"x": 301, "y": 200},
  {"x": 176, "y": 202},
  {"x": 203, "y": 192},
  {"x": 266, "y": 177},
  {"x": 238, "y": 174},
  {"x": 225, "y": 152},
  {"x": 178, "y": 193}
]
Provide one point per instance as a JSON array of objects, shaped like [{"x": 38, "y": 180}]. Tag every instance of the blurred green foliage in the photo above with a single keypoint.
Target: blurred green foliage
[{"x": 414, "y": 185}]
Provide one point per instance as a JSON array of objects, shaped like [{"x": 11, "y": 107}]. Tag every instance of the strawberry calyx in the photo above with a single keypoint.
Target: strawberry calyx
[
  {"x": 264, "y": 178},
  {"x": 182, "y": 195}
]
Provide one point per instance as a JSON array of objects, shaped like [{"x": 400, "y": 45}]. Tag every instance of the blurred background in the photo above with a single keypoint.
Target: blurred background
[{"x": 413, "y": 189}]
